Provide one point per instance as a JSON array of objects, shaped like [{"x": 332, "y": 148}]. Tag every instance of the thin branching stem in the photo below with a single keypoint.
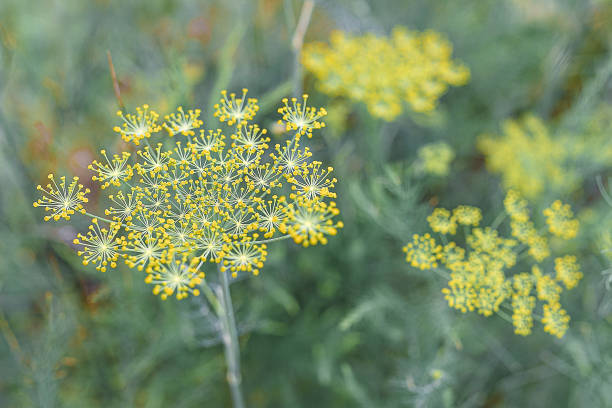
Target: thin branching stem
[
  {"x": 229, "y": 337},
  {"x": 297, "y": 41},
  {"x": 90, "y": 215},
  {"x": 115, "y": 81},
  {"x": 265, "y": 241},
  {"x": 500, "y": 218}
]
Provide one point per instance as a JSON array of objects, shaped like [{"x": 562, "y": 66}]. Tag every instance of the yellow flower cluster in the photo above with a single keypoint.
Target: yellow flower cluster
[
  {"x": 523, "y": 303},
  {"x": 568, "y": 271},
  {"x": 205, "y": 197},
  {"x": 467, "y": 215},
  {"x": 101, "y": 245},
  {"x": 528, "y": 158},
  {"x": 232, "y": 110},
  {"x": 487, "y": 274},
  {"x": 533, "y": 157},
  {"x": 423, "y": 252},
  {"x": 561, "y": 223},
  {"x": 385, "y": 72},
  {"x": 300, "y": 117},
  {"x": 441, "y": 221},
  {"x": 138, "y": 126},
  {"x": 61, "y": 199},
  {"x": 435, "y": 158}
]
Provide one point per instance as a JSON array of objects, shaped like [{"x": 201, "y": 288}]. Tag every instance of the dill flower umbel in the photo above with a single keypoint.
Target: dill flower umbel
[
  {"x": 236, "y": 111},
  {"x": 423, "y": 252},
  {"x": 523, "y": 228},
  {"x": 113, "y": 171},
  {"x": 300, "y": 117},
  {"x": 206, "y": 195},
  {"x": 61, "y": 199},
  {"x": 183, "y": 123},
  {"x": 568, "y": 271},
  {"x": 100, "y": 245},
  {"x": 487, "y": 274},
  {"x": 467, "y": 215},
  {"x": 139, "y": 125},
  {"x": 528, "y": 158},
  {"x": 555, "y": 320},
  {"x": 309, "y": 221},
  {"x": 533, "y": 157},
  {"x": 516, "y": 206},
  {"x": 386, "y": 72},
  {"x": 559, "y": 218},
  {"x": 435, "y": 158},
  {"x": 441, "y": 221}
]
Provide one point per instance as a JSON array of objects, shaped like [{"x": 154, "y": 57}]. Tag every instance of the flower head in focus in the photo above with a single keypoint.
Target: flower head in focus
[
  {"x": 182, "y": 122},
  {"x": 139, "y": 125},
  {"x": 62, "y": 200},
  {"x": 100, "y": 245},
  {"x": 112, "y": 171},
  {"x": 236, "y": 111},
  {"x": 203, "y": 196},
  {"x": 300, "y": 117}
]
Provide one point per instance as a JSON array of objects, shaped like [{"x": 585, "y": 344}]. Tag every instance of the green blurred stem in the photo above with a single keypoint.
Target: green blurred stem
[
  {"x": 298, "y": 41},
  {"x": 265, "y": 241},
  {"x": 90, "y": 215},
  {"x": 441, "y": 272},
  {"x": 497, "y": 221},
  {"x": 504, "y": 316},
  {"x": 229, "y": 337}
]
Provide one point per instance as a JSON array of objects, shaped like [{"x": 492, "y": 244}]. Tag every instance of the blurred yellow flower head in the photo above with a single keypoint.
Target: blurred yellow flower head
[
  {"x": 488, "y": 275},
  {"x": 532, "y": 159},
  {"x": 408, "y": 67},
  {"x": 561, "y": 221},
  {"x": 435, "y": 158}
]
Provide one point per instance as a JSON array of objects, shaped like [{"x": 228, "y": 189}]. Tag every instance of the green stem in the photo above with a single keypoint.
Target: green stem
[
  {"x": 298, "y": 41},
  {"x": 230, "y": 341},
  {"x": 265, "y": 241},
  {"x": 441, "y": 272},
  {"x": 504, "y": 316},
  {"x": 90, "y": 215},
  {"x": 498, "y": 220},
  {"x": 210, "y": 296}
]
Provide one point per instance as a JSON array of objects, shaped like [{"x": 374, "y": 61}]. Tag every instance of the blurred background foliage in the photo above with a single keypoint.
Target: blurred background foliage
[{"x": 349, "y": 324}]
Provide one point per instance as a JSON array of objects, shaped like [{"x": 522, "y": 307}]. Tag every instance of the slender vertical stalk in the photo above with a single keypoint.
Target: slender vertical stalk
[
  {"x": 115, "y": 82},
  {"x": 498, "y": 220},
  {"x": 229, "y": 335},
  {"x": 296, "y": 43}
]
